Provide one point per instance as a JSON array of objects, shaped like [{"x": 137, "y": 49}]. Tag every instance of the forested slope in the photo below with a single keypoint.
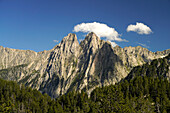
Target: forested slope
[
  {"x": 145, "y": 92},
  {"x": 157, "y": 68},
  {"x": 142, "y": 94}
]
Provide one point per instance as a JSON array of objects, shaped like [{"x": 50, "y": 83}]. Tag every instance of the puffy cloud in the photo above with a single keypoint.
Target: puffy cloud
[
  {"x": 55, "y": 41},
  {"x": 100, "y": 29},
  {"x": 140, "y": 28}
]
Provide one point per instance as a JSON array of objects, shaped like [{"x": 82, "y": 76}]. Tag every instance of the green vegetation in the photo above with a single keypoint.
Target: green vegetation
[
  {"x": 141, "y": 94},
  {"x": 75, "y": 62},
  {"x": 145, "y": 90},
  {"x": 4, "y": 73},
  {"x": 23, "y": 81},
  {"x": 78, "y": 78},
  {"x": 157, "y": 68}
]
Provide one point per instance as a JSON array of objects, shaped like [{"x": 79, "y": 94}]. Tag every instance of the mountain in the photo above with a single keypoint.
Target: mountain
[
  {"x": 72, "y": 66},
  {"x": 157, "y": 68},
  {"x": 146, "y": 89}
]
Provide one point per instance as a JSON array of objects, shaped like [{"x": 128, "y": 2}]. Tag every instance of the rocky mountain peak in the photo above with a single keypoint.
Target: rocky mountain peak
[
  {"x": 92, "y": 41},
  {"x": 69, "y": 37},
  {"x": 68, "y": 44},
  {"x": 92, "y": 37},
  {"x": 73, "y": 66}
]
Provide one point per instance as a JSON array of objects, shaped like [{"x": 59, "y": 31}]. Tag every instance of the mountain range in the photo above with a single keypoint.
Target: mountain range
[{"x": 73, "y": 66}]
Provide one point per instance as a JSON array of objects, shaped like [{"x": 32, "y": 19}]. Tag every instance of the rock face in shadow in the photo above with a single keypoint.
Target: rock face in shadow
[
  {"x": 73, "y": 66},
  {"x": 157, "y": 68}
]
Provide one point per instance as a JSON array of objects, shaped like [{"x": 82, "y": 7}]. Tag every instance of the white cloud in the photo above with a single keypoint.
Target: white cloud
[
  {"x": 100, "y": 29},
  {"x": 113, "y": 44},
  {"x": 144, "y": 45},
  {"x": 140, "y": 28},
  {"x": 55, "y": 41}
]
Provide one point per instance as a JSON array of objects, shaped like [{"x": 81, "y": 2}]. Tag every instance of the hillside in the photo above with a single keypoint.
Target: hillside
[
  {"x": 157, "y": 68},
  {"x": 140, "y": 93}
]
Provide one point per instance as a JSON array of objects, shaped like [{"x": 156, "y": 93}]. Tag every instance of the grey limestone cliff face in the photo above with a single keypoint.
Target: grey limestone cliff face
[
  {"x": 72, "y": 66},
  {"x": 61, "y": 67}
]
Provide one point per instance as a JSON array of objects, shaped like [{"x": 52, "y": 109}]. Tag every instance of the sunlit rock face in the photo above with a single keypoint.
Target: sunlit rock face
[{"x": 73, "y": 66}]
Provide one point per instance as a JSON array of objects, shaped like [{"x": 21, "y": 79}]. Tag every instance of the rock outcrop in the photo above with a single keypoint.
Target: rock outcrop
[
  {"x": 73, "y": 66},
  {"x": 157, "y": 68}
]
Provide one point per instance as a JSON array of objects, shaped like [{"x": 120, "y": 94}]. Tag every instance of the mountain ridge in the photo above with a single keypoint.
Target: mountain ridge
[
  {"x": 157, "y": 68},
  {"x": 71, "y": 65}
]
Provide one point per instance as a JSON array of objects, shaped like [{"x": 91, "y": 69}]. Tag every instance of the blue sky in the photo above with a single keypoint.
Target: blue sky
[{"x": 34, "y": 24}]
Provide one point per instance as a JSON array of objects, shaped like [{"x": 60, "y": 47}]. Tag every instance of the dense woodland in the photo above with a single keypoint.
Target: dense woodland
[{"x": 136, "y": 94}]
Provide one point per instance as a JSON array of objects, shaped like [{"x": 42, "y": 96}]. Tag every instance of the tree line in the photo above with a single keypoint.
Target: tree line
[{"x": 145, "y": 90}]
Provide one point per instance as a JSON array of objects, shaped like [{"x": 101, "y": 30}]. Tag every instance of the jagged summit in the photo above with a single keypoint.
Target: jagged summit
[
  {"x": 91, "y": 37},
  {"x": 91, "y": 41},
  {"x": 70, "y": 37},
  {"x": 73, "y": 66}
]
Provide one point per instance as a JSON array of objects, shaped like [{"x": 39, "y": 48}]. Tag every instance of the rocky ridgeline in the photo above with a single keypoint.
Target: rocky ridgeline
[{"x": 73, "y": 66}]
